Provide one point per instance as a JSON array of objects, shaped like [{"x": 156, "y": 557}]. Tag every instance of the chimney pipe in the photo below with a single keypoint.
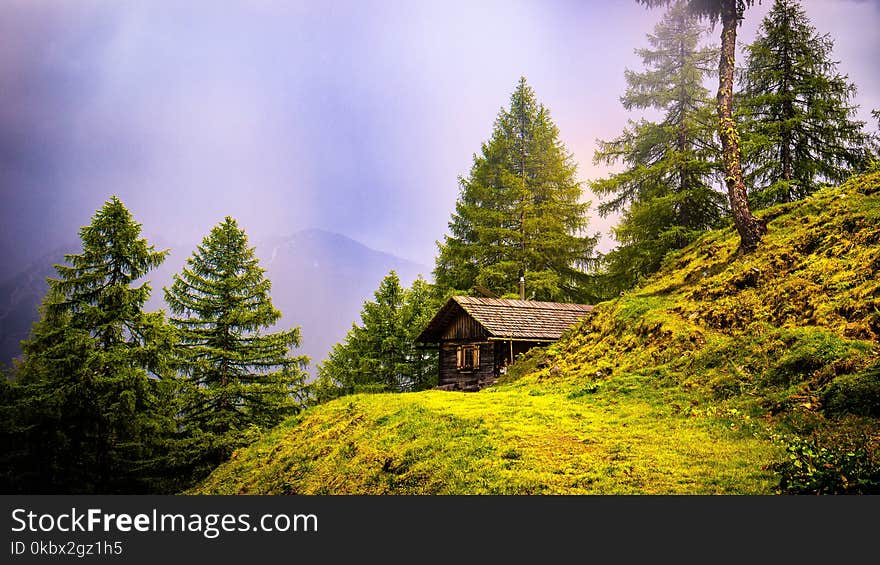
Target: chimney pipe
[{"x": 522, "y": 288}]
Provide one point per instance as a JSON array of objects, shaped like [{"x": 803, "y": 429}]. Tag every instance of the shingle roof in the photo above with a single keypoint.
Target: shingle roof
[{"x": 502, "y": 318}]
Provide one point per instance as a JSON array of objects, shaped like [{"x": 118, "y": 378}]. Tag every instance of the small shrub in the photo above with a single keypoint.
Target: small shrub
[
  {"x": 820, "y": 464},
  {"x": 857, "y": 394}
]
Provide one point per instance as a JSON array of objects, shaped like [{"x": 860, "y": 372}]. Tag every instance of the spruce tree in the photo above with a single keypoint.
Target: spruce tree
[
  {"x": 237, "y": 378},
  {"x": 381, "y": 353},
  {"x": 519, "y": 212},
  {"x": 419, "y": 306},
  {"x": 797, "y": 111},
  {"x": 729, "y": 13},
  {"x": 92, "y": 403},
  {"x": 666, "y": 191}
]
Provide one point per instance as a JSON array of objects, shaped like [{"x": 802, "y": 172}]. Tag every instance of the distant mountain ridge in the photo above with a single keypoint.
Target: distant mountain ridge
[{"x": 320, "y": 280}]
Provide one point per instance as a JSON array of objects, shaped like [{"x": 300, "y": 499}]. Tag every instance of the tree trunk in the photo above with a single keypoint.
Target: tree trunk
[
  {"x": 750, "y": 228},
  {"x": 682, "y": 142},
  {"x": 522, "y": 209},
  {"x": 787, "y": 114}
]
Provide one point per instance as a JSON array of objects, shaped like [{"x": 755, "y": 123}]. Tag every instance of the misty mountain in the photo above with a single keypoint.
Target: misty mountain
[{"x": 320, "y": 281}]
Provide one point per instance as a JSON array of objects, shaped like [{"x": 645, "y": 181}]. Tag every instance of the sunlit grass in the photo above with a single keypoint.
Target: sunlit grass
[{"x": 504, "y": 441}]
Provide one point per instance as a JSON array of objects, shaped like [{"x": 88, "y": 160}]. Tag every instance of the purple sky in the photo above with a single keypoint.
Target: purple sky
[{"x": 355, "y": 117}]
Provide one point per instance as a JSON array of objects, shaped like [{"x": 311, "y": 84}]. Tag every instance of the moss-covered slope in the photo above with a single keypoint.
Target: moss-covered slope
[{"x": 721, "y": 374}]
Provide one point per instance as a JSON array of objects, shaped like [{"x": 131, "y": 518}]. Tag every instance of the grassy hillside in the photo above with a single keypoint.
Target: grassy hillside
[{"x": 721, "y": 374}]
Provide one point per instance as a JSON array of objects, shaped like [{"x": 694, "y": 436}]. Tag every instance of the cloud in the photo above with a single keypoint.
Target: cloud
[{"x": 355, "y": 117}]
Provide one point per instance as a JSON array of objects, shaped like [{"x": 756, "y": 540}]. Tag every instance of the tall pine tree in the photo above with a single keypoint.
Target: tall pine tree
[
  {"x": 797, "y": 111},
  {"x": 420, "y": 303},
  {"x": 93, "y": 410},
  {"x": 381, "y": 352},
  {"x": 385, "y": 334},
  {"x": 519, "y": 212},
  {"x": 238, "y": 379},
  {"x": 729, "y": 13},
  {"x": 666, "y": 191}
]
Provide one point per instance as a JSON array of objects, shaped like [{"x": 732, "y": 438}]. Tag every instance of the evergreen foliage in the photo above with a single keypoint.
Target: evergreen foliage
[
  {"x": 729, "y": 13},
  {"x": 381, "y": 353},
  {"x": 419, "y": 306},
  {"x": 237, "y": 380},
  {"x": 91, "y": 406},
  {"x": 797, "y": 115},
  {"x": 665, "y": 192},
  {"x": 519, "y": 212},
  {"x": 713, "y": 10}
]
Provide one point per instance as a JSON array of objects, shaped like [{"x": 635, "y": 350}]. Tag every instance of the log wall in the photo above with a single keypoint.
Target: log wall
[{"x": 453, "y": 379}]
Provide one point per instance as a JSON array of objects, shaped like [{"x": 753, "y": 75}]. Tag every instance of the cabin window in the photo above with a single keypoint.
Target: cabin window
[{"x": 468, "y": 357}]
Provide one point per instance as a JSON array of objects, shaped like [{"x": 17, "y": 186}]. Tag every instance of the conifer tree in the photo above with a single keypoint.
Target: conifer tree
[
  {"x": 797, "y": 114},
  {"x": 237, "y": 379},
  {"x": 385, "y": 333},
  {"x": 729, "y": 13},
  {"x": 419, "y": 306},
  {"x": 381, "y": 353},
  {"x": 519, "y": 212},
  {"x": 666, "y": 191},
  {"x": 92, "y": 402}
]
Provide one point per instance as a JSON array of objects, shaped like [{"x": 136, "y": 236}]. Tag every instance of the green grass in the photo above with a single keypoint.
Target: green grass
[
  {"x": 710, "y": 378},
  {"x": 503, "y": 441}
]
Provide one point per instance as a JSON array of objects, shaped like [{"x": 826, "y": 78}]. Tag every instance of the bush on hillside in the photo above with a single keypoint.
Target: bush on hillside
[
  {"x": 857, "y": 394},
  {"x": 835, "y": 460}
]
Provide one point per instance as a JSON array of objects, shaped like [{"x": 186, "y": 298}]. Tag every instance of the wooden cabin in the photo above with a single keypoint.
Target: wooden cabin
[{"x": 478, "y": 337}]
